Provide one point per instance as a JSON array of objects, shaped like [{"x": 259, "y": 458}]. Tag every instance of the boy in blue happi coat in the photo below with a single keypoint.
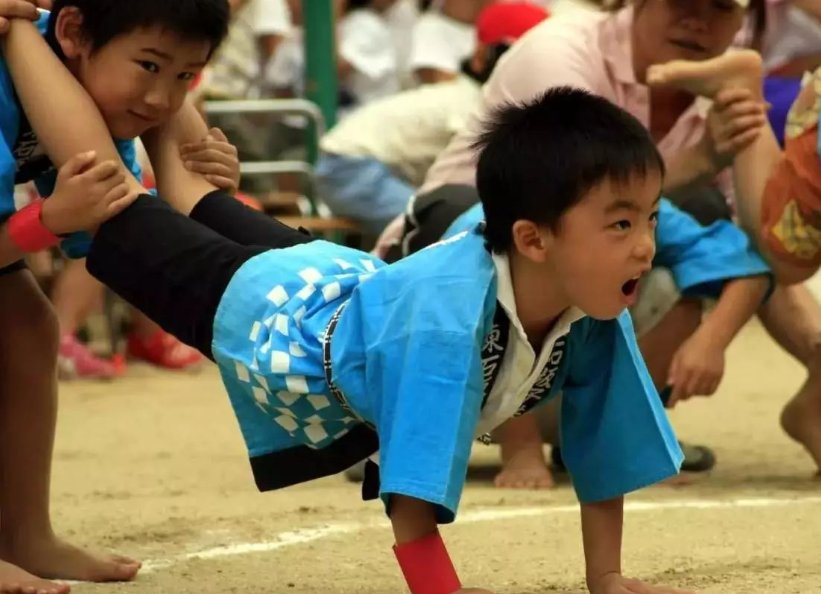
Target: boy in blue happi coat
[
  {"x": 329, "y": 355},
  {"x": 717, "y": 261}
]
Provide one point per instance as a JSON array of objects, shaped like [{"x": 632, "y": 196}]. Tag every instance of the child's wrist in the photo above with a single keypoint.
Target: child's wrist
[
  {"x": 426, "y": 565},
  {"x": 27, "y": 230},
  {"x": 47, "y": 215}
]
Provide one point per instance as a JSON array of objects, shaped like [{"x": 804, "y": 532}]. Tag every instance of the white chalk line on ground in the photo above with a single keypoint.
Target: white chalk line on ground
[{"x": 305, "y": 535}]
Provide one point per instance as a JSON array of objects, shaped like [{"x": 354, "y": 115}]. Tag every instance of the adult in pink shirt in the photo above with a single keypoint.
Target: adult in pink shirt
[{"x": 608, "y": 54}]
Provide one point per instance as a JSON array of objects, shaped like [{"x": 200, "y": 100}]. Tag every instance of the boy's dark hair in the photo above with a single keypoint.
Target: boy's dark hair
[
  {"x": 539, "y": 159},
  {"x": 103, "y": 20}
]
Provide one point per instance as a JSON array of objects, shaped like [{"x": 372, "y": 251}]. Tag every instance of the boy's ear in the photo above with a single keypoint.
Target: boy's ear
[
  {"x": 69, "y": 32},
  {"x": 532, "y": 240}
]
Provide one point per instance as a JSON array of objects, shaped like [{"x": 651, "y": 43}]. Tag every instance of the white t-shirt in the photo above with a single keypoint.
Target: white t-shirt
[
  {"x": 441, "y": 43},
  {"x": 406, "y": 131},
  {"x": 235, "y": 70},
  {"x": 270, "y": 17},
  {"x": 286, "y": 70},
  {"x": 401, "y": 19},
  {"x": 366, "y": 43}
]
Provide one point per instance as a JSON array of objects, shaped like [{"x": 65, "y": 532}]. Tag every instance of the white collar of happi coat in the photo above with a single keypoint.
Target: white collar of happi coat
[{"x": 506, "y": 297}]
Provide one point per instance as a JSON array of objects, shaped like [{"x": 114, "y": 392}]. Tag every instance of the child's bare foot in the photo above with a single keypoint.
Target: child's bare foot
[
  {"x": 524, "y": 467},
  {"x": 54, "y": 559},
  {"x": 801, "y": 419},
  {"x": 734, "y": 69},
  {"x": 14, "y": 580}
]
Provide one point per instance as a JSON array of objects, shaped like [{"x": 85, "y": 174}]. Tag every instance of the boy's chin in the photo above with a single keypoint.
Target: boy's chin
[
  {"x": 604, "y": 312},
  {"x": 128, "y": 130}
]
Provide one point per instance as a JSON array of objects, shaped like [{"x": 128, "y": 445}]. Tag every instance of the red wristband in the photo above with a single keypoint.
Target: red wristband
[
  {"x": 27, "y": 232},
  {"x": 426, "y": 566}
]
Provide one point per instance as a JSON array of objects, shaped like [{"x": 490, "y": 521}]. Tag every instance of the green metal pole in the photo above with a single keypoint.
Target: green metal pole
[{"x": 321, "y": 80}]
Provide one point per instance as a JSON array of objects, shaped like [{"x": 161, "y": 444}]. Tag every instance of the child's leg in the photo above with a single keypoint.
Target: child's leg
[
  {"x": 172, "y": 268},
  {"x": 191, "y": 194},
  {"x": 74, "y": 296},
  {"x": 523, "y": 461},
  {"x": 754, "y": 166},
  {"x": 175, "y": 269},
  {"x": 28, "y": 407},
  {"x": 792, "y": 316}
]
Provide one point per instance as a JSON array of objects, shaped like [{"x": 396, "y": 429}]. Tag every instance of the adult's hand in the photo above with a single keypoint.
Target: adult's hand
[{"x": 735, "y": 120}]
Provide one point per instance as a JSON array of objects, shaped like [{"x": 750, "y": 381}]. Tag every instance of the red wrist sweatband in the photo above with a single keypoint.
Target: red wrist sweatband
[
  {"x": 426, "y": 566},
  {"x": 27, "y": 231}
]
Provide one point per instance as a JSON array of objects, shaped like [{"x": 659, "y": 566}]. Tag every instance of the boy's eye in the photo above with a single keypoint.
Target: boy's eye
[
  {"x": 621, "y": 225},
  {"x": 149, "y": 66},
  {"x": 724, "y": 5},
  {"x": 187, "y": 76},
  {"x": 654, "y": 218}
]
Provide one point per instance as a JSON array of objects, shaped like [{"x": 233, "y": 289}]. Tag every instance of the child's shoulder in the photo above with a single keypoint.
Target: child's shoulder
[
  {"x": 460, "y": 267},
  {"x": 459, "y": 253}
]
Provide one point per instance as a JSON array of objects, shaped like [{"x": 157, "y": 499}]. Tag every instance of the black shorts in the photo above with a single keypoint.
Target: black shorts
[
  {"x": 174, "y": 268},
  {"x": 430, "y": 216}
]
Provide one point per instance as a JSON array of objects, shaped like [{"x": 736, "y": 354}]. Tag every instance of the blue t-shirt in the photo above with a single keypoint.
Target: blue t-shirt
[
  {"x": 701, "y": 258},
  {"x": 22, "y": 159},
  {"x": 403, "y": 346}
]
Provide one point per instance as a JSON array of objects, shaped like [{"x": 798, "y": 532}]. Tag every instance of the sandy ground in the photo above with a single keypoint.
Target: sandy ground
[{"x": 154, "y": 466}]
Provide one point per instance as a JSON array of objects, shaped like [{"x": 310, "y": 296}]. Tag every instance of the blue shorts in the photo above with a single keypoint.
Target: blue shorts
[
  {"x": 362, "y": 189},
  {"x": 781, "y": 94}
]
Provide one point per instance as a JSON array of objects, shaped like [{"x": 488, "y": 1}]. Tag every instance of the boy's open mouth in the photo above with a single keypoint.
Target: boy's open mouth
[{"x": 629, "y": 288}]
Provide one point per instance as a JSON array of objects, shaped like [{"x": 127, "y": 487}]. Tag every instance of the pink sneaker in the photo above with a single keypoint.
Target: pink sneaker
[{"x": 76, "y": 361}]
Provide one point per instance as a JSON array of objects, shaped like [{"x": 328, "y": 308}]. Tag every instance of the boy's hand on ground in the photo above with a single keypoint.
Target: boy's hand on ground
[
  {"x": 696, "y": 369},
  {"x": 215, "y": 158},
  {"x": 735, "y": 120},
  {"x": 613, "y": 583},
  {"x": 20, "y": 9},
  {"x": 86, "y": 195}
]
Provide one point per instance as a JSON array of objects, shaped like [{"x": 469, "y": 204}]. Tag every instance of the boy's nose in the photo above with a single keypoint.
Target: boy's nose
[
  {"x": 645, "y": 249},
  {"x": 158, "y": 100}
]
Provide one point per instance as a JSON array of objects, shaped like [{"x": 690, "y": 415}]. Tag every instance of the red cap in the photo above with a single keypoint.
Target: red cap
[{"x": 505, "y": 22}]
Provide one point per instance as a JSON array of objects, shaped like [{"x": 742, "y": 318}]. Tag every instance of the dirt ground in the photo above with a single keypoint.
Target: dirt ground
[{"x": 154, "y": 466}]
